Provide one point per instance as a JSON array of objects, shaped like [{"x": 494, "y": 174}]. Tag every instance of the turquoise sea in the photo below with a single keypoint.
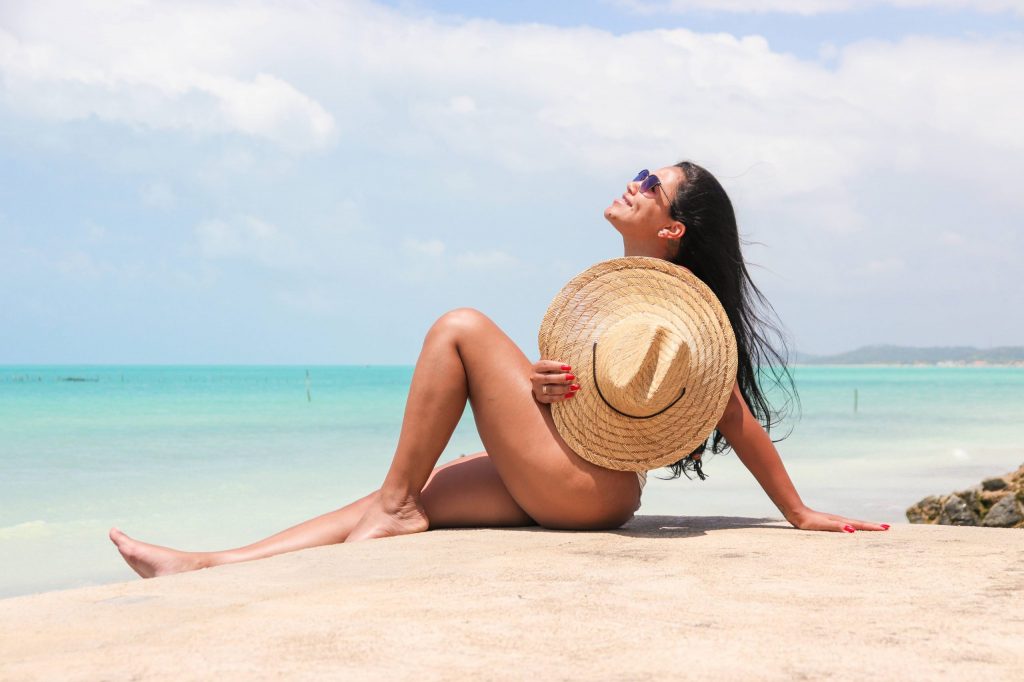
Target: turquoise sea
[{"x": 208, "y": 457}]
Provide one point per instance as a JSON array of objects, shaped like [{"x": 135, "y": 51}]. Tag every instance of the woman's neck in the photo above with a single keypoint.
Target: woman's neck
[{"x": 656, "y": 248}]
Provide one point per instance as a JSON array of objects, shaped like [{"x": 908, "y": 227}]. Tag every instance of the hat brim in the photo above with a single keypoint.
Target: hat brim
[{"x": 595, "y": 300}]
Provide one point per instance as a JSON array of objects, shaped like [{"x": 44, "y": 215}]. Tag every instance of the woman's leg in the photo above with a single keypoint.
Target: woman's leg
[
  {"x": 531, "y": 475},
  {"x": 466, "y": 492},
  {"x": 466, "y": 356}
]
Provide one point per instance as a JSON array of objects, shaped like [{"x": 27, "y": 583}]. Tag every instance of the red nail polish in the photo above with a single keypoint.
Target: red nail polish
[
  {"x": 569, "y": 395},
  {"x": 570, "y": 377},
  {"x": 849, "y": 529},
  {"x": 574, "y": 387},
  {"x": 566, "y": 368},
  {"x": 885, "y": 526}
]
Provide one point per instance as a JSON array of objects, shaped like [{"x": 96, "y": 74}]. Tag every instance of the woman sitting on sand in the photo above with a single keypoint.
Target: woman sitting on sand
[{"x": 528, "y": 474}]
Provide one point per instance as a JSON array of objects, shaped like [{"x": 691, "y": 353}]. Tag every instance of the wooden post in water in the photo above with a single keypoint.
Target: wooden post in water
[
  {"x": 855, "y": 401},
  {"x": 309, "y": 398}
]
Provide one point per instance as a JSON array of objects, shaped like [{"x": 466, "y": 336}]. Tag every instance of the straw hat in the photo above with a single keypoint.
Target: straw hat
[{"x": 654, "y": 355}]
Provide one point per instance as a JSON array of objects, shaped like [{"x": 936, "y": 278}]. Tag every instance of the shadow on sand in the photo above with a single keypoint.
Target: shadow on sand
[
  {"x": 685, "y": 526},
  {"x": 674, "y": 526}
]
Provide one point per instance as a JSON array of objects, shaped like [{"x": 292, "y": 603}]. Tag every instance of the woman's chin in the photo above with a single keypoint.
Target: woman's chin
[{"x": 613, "y": 217}]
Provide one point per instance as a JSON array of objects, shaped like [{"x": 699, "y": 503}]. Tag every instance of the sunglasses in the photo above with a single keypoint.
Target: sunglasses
[{"x": 648, "y": 182}]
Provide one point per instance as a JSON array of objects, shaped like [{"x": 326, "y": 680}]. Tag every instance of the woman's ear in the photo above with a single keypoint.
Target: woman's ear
[{"x": 675, "y": 230}]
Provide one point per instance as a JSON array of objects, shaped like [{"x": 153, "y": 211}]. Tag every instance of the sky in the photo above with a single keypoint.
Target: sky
[{"x": 315, "y": 182}]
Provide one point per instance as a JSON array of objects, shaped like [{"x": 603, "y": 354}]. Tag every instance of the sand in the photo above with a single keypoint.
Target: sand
[{"x": 665, "y": 598}]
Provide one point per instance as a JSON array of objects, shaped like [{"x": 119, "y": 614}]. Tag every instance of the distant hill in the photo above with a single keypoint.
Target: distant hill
[{"x": 904, "y": 355}]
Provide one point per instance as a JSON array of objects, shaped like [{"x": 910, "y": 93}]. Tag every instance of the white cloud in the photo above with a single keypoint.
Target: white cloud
[
  {"x": 158, "y": 195},
  {"x": 158, "y": 65},
  {"x": 809, "y": 7},
  {"x": 247, "y": 239},
  {"x": 434, "y": 250},
  {"x": 498, "y": 93},
  {"x": 310, "y": 300},
  {"x": 431, "y": 248},
  {"x": 879, "y": 266},
  {"x": 491, "y": 259},
  {"x": 776, "y": 128},
  {"x": 79, "y": 265},
  {"x": 863, "y": 157},
  {"x": 462, "y": 104},
  {"x": 95, "y": 233}
]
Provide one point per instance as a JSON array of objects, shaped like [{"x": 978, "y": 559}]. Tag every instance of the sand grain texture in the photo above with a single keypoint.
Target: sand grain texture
[{"x": 665, "y": 597}]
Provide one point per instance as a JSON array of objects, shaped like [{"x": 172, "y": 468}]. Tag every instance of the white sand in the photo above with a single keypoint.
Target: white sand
[{"x": 680, "y": 598}]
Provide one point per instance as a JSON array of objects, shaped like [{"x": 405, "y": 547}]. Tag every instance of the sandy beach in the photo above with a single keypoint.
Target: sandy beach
[{"x": 664, "y": 597}]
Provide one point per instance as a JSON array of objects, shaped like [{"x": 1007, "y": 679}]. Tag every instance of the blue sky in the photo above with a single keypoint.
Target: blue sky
[{"x": 315, "y": 183}]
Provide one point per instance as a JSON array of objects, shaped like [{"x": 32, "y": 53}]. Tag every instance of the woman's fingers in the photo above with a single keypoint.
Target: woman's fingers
[
  {"x": 551, "y": 367},
  {"x": 846, "y": 525},
  {"x": 553, "y": 381},
  {"x": 864, "y": 525},
  {"x": 551, "y": 391}
]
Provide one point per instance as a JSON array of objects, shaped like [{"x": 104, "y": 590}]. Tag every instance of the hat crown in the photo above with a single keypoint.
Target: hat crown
[{"x": 641, "y": 365}]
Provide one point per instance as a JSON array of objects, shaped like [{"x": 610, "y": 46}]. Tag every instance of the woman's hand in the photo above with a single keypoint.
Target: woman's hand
[
  {"x": 808, "y": 519},
  {"x": 552, "y": 381}
]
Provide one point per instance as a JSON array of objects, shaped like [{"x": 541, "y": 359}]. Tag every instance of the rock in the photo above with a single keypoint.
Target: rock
[
  {"x": 1004, "y": 514},
  {"x": 997, "y": 502},
  {"x": 972, "y": 498},
  {"x": 996, "y": 483},
  {"x": 990, "y": 497},
  {"x": 925, "y": 511},
  {"x": 957, "y": 512}
]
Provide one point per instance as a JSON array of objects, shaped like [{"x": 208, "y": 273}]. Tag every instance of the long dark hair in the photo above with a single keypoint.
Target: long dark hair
[{"x": 710, "y": 248}]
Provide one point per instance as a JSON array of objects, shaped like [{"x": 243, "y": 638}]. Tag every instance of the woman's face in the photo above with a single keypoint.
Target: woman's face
[{"x": 639, "y": 214}]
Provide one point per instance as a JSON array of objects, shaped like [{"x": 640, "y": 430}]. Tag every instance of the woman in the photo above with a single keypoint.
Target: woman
[{"x": 528, "y": 475}]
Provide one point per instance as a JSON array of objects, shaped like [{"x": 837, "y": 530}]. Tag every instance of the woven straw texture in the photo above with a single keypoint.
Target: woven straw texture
[{"x": 614, "y": 295}]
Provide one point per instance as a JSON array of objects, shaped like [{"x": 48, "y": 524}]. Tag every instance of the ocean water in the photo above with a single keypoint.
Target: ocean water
[{"x": 211, "y": 457}]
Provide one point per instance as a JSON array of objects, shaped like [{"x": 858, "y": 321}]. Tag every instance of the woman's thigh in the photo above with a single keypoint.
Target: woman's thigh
[
  {"x": 546, "y": 478},
  {"x": 469, "y": 493}
]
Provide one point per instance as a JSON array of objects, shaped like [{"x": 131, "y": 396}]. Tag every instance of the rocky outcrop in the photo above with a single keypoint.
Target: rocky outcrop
[{"x": 996, "y": 503}]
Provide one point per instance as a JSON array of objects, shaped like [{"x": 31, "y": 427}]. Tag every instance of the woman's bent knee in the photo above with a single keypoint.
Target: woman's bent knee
[{"x": 461, "y": 321}]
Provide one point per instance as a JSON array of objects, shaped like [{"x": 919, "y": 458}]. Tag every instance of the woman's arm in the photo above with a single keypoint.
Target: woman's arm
[{"x": 757, "y": 452}]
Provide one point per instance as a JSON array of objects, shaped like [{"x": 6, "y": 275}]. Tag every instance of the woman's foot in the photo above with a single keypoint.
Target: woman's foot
[
  {"x": 151, "y": 561},
  {"x": 386, "y": 519}
]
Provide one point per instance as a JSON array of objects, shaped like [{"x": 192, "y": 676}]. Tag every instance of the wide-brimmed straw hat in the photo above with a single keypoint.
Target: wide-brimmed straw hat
[{"x": 654, "y": 355}]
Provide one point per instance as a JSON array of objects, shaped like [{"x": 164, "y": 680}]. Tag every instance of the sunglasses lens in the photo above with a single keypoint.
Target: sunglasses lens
[
  {"x": 649, "y": 183},
  {"x": 642, "y": 175}
]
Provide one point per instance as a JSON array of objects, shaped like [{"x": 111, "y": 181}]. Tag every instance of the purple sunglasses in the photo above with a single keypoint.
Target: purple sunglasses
[{"x": 648, "y": 182}]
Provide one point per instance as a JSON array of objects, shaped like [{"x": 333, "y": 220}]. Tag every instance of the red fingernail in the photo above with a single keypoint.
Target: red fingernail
[
  {"x": 570, "y": 377},
  {"x": 569, "y": 395},
  {"x": 574, "y": 387},
  {"x": 885, "y": 526},
  {"x": 566, "y": 368},
  {"x": 848, "y": 529}
]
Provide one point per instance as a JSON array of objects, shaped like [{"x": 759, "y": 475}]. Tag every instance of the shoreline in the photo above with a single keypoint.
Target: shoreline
[{"x": 712, "y": 596}]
